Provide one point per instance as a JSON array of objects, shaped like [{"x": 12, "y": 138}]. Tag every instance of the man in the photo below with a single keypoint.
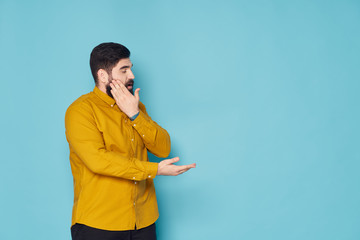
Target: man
[{"x": 109, "y": 133}]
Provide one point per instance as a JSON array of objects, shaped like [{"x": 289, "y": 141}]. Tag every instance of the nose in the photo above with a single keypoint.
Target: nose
[{"x": 131, "y": 75}]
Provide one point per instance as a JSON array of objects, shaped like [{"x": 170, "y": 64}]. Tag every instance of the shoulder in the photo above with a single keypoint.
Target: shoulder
[{"x": 82, "y": 105}]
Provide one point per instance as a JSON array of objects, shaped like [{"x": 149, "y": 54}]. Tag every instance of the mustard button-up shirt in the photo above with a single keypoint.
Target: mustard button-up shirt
[{"x": 113, "y": 178}]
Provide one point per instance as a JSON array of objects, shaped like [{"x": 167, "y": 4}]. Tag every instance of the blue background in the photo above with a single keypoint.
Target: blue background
[{"x": 262, "y": 95}]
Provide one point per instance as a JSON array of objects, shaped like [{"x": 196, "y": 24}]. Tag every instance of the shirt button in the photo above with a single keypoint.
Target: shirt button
[
  {"x": 149, "y": 176},
  {"x": 143, "y": 135},
  {"x": 133, "y": 177},
  {"x": 134, "y": 125},
  {"x": 111, "y": 105},
  {"x": 132, "y": 139},
  {"x": 135, "y": 182},
  {"x": 134, "y": 203}
]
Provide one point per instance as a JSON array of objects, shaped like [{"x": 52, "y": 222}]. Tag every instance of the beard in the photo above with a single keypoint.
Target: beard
[{"x": 128, "y": 83}]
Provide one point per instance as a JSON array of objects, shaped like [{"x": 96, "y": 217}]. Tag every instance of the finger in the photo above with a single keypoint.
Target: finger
[
  {"x": 172, "y": 160},
  {"x": 116, "y": 82},
  {"x": 117, "y": 86},
  {"x": 124, "y": 89},
  {"x": 187, "y": 167},
  {"x": 113, "y": 93},
  {"x": 136, "y": 94},
  {"x": 182, "y": 171},
  {"x": 113, "y": 86}
]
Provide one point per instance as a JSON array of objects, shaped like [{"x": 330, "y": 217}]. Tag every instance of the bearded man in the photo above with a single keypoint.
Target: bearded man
[{"x": 109, "y": 134}]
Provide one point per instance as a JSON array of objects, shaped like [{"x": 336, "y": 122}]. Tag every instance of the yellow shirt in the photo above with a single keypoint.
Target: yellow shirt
[{"x": 113, "y": 178}]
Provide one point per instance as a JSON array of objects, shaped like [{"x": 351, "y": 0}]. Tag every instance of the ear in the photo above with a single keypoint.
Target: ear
[{"x": 103, "y": 76}]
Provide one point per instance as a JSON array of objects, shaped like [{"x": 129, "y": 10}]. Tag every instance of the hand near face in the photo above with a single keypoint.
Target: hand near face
[
  {"x": 127, "y": 102},
  {"x": 167, "y": 167}
]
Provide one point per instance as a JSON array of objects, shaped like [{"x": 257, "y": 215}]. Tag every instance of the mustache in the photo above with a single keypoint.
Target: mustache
[{"x": 130, "y": 82}]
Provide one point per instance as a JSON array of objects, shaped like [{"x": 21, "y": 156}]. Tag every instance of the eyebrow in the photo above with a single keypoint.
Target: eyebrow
[{"x": 123, "y": 67}]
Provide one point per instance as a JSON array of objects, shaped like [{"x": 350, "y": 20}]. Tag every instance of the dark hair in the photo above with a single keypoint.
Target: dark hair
[{"x": 106, "y": 56}]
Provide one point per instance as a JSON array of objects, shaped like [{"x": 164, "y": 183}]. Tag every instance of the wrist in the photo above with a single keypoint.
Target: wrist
[
  {"x": 134, "y": 116},
  {"x": 159, "y": 170}
]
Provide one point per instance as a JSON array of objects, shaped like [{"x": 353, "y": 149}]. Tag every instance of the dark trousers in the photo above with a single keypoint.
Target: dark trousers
[{"x": 83, "y": 232}]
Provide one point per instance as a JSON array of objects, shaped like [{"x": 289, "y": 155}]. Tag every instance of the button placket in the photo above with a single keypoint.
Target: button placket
[{"x": 132, "y": 137}]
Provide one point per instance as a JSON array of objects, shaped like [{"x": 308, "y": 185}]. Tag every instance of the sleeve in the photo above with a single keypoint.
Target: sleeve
[
  {"x": 87, "y": 142},
  {"x": 155, "y": 138}
]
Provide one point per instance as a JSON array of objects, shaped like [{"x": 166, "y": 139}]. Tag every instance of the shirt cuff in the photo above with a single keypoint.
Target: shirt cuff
[
  {"x": 134, "y": 117},
  {"x": 151, "y": 170}
]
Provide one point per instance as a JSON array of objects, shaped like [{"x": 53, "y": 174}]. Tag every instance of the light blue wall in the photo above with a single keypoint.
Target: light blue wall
[{"x": 262, "y": 95}]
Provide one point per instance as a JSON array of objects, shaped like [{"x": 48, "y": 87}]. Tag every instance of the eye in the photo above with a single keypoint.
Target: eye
[{"x": 123, "y": 71}]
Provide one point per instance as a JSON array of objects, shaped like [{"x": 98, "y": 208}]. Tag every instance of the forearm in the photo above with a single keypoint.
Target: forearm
[
  {"x": 155, "y": 138},
  {"x": 108, "y": 163}
]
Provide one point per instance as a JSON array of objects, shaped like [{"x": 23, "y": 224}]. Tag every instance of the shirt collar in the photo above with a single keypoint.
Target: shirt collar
[{"x": 103, "y": 96}]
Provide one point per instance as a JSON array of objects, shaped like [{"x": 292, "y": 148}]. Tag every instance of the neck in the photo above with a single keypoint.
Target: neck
[{"x": 101, "y": 88}]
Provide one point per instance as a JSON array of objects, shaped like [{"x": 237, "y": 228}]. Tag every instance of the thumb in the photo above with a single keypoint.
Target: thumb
[
  {"x": 174, "y": 160},
  {"x": 136, "y": 94}
]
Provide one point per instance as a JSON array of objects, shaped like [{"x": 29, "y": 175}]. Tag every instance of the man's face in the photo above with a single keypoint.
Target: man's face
[{"x": 122, "y": 72}]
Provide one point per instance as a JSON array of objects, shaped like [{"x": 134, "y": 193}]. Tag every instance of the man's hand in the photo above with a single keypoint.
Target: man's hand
[
  {"x": 167, "y": 168},
  {"x": 127, "y": 102}
]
